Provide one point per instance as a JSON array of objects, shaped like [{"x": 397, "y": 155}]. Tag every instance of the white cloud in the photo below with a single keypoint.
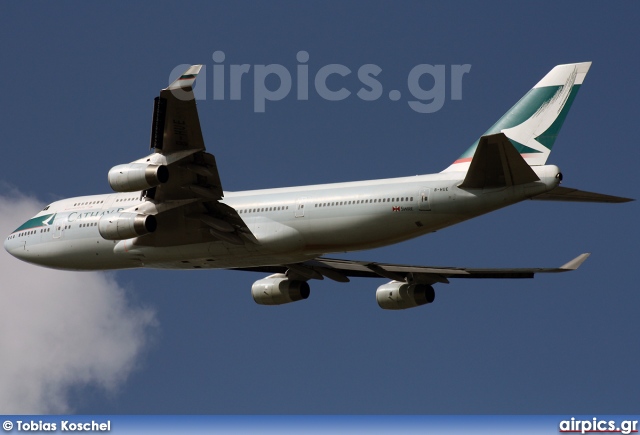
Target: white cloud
[{"x": 61, "y": 330}]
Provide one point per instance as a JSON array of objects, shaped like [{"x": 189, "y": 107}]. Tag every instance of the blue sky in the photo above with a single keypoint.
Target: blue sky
[{"x": 80, "y": 79}]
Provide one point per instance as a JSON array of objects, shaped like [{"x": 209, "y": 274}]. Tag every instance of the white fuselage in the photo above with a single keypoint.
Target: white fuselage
[{"x": 291, "y": 224}]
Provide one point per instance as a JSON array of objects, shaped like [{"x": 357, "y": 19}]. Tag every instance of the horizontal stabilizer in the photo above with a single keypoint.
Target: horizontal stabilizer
[
  {"x": 496, "y": 163},
  {"x": 575, "y": 195}
]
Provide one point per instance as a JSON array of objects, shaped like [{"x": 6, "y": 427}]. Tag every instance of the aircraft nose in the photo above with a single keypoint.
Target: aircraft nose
[
  {"x": 18, "y": 248},
  {"x": 11, "y": 245}
]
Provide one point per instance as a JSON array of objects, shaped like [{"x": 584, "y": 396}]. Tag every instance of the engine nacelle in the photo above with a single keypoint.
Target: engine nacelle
[
  {"x": 278, "y": 289},
  {"x": 398, "y": 295},
  {"x": 124, "y": 225},
  {"x": 133, "y": 177}
]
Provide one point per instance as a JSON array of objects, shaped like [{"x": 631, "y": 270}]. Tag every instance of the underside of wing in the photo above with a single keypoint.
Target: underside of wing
[
  {"x": 342, "y": 270},
  {"x": 176, "y": 138},
  {"x": 175, "y": 125},
  {"x": 187, "y": 205}
]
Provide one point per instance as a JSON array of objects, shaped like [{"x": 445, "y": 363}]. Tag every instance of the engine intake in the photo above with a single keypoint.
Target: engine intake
[
  {"x": 278, "y": 289},
  {"x": 123, "y": 226},
  {"x": 398, "y": 295},
  {"x": 134, "y": 177}
]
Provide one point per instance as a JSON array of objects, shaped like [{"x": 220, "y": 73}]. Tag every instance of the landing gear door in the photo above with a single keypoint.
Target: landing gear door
[{"x": 424, "y": 198}]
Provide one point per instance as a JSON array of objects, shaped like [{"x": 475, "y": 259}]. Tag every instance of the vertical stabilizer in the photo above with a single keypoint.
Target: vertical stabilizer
[{"x": 533, "y": 123}]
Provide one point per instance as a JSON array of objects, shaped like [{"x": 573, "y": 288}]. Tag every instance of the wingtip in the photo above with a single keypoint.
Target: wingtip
[
  {"x": 186, "y": 79},
  {"x": 576, "y": 262},
  {"x": 195, "y": 69}
]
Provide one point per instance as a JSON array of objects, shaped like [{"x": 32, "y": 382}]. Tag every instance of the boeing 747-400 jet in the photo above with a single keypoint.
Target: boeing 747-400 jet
[{"x": 169, "y": 209}]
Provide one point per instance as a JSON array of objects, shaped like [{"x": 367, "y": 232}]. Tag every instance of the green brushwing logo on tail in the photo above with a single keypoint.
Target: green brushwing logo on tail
[{"x": 533, "y": 123}]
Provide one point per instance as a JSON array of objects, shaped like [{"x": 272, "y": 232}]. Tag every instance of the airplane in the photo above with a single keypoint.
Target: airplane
[{"x": 169, "y": 210}]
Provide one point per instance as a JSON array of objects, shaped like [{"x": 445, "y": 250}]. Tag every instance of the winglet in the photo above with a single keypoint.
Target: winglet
[
  {"x": 186, "y": 79},
  {"x": 576, "y": 262}
]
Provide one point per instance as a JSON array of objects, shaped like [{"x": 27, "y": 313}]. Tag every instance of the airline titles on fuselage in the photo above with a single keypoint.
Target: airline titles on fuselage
[{"x": 76, "y": 216}]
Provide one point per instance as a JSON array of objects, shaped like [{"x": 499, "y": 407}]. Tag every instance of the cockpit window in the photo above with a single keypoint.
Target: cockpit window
[{"x": 46, "y": 208}]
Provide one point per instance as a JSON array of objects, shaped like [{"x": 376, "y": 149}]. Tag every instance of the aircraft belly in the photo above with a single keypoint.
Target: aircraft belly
[
  {"x": 362, "y": 232},
  {"x": 462, "y": 204},
  {"x": 277, "y": 237},
  {"x": 76, "y": 254}
]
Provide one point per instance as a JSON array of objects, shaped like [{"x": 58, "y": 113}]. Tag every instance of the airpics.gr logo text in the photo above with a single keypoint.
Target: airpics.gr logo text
[
  {"x": 426, "y": 83},
  {"x": 596, "y": 425}
]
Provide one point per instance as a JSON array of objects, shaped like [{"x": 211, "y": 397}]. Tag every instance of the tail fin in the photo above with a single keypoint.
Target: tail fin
[{"x": 533, "y": 123}]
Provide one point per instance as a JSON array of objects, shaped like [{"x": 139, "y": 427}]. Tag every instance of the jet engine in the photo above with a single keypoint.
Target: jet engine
[
  {"x": 133, "y": 177},
  {"x": 125, "y": 225},
  {"x": 398, "y": 295},
  {"x": 278, "y": 289}
]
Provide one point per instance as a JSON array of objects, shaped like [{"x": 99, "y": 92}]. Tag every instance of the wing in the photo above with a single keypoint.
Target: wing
[
  {"x": 189, "y": 202},
  {"x": 341, "y": 270}
]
